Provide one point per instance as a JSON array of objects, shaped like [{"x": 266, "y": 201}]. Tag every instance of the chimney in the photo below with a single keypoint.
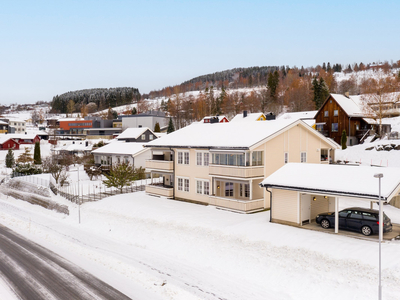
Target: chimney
[
  {"x": 244, "y": 113},
  {"x": 347, "y": 94}
]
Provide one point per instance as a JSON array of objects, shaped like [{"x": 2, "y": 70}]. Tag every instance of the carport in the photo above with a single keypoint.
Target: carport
[{"x": 299, "y": 192}]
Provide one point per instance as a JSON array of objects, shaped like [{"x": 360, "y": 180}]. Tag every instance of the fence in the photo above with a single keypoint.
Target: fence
[
  {"x": 36, "y": 179},
  {"x": 80, "y": 193}
]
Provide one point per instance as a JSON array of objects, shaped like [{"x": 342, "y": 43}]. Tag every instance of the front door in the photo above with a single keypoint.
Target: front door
[{"x": 305, "y": 208}]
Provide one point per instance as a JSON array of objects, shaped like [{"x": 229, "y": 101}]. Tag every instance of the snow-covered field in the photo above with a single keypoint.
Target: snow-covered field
[{"x": 154, "y": 248}]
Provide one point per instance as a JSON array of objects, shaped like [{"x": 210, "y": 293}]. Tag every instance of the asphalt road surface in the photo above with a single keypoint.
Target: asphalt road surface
[{"x": 34, "y": 272}]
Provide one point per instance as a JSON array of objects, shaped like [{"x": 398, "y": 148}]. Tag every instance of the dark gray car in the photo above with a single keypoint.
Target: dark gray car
[{"x": 357, "y": 219}]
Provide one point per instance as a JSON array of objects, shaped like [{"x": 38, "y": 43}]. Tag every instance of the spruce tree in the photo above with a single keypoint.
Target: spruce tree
[
  {"x": 344, "y": 140},
  {"x": 36, "y": 154},
  {"x": 171, "y": 127},
  {"x": 157, "y": 127},
  {"x": 10, "y": 161}
]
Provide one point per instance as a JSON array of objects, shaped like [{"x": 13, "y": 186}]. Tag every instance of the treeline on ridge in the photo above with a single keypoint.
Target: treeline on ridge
[{"x": 96, "y": 99}]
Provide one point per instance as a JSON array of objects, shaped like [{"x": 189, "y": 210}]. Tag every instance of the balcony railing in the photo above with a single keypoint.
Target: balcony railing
[
  {"x": 237, "y": 171},
  {"x": 238, "y": 205},
  {"x": 160, "y": 190},
  {"x": 163, "y": 165}
]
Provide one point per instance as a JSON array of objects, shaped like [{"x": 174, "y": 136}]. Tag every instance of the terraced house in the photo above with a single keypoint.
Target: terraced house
[{"x": 222, "y": 164}]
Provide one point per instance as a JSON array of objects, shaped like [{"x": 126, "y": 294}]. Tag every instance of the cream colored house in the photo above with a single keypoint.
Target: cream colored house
[{"x": 222, "y": 164}]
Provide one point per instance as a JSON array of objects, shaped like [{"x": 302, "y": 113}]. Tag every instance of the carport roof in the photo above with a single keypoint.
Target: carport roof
[{"x": 338, "y": 180}]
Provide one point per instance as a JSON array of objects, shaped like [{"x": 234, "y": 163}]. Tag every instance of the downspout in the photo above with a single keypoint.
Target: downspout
[
  {"x": 173, "y": 172},
  {"x": 349, "y": 129},
  {"x": 270, "y": 204}
]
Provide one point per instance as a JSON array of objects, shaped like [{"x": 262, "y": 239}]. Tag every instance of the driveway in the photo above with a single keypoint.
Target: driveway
[{"x": 395, "y": 234}]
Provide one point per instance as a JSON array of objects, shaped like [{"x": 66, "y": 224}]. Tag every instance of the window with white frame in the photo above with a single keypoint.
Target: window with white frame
[
  {"x": 244, "y": 190},
  {"x": 180, "y": 184},
  {"x": 143, "y": 137},
  {"x": 257, "y": 158},
  {"x": 186, "y": 155},
  {"x": 180, "y": 158},
  {"x": 202, "y": 187},
  {"x": 206, "y": 159},
  {"x": 303, "y": 157},
  {"x": 151, "y": 137},
  {"x": 286, "y": 157},
  {"x": 199, "y": 158},
  {"x": 186, "y": 186}
]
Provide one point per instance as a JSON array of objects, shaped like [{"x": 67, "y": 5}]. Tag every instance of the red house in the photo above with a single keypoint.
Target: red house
[
  {"x": 8, "y": 143},
  {"x": 27, "y": 138}
]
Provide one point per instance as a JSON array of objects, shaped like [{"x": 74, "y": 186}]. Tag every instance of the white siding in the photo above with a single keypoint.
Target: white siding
[
  {"x": 285, "y": 205},
  {"x": 320, "y": 205}
]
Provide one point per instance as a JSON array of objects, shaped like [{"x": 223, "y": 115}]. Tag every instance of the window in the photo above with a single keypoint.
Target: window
[
  {"x": 229, "y": 159},
  {"x": 118, "y": 159},
  {"x": 324, "y": 154},
  {"x": 151, "y": 137},
  {"x": 126, "y": 159},
  {"x": 286, "y": 157},
  {"x": 303, "y": 157},
  {"x": 335, "y": 113},
  {"x": 257, "y": 158},
  {"x": 186, "y": 185},
  {"x": 202, "y": 158},
  {"x": 180, "y": 184},
  {"x": 229, "y": 189},
  {"x": 320, "y": 127},
  {"x": 203, "y": 187},
  {"x": 335, "y": 127},
  {"x": 199, "y": 156},
  {"x": 143, "y": 137},
  {"x": 244, "y": 190},
  {"x": 186, "y": 158},
  {"x": 199, "y": 187},
  {"x": 206, "y": 159},
  {"x": 326, "y": 113},
  {"x": 180, "y": 158}
]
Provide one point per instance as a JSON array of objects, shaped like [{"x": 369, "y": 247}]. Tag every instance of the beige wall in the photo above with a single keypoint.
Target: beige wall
[
  {"x": 192, "y": 172},
  {"x": 320, "y": 205},
  {"x": 285, "y": 205}
]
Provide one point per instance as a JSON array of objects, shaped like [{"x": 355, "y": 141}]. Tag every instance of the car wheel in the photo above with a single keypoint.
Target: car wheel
[
  {"x": 366, "y": 230},
  {"x": 325, "y": 224}
]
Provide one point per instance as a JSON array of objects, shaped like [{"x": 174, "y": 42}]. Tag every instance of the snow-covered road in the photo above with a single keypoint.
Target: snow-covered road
[{"x": 153, "y": 248}]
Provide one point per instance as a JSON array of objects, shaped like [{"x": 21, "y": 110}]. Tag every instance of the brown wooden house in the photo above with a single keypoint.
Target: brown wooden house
[{"x": 340, "y": 113}]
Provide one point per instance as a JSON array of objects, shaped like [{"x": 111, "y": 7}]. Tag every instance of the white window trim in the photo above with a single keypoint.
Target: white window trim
[
  {"x": 203, "y": 154},
  {"x": 183, "y": 158},
  {"x": 203, "y": 186},
  {"x": 301, "y": 157},
  {"x": 183, "y": 183}
]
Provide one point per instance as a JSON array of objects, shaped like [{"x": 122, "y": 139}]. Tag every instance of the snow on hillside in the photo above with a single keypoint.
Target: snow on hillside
[{"x": 361, "y": 75}]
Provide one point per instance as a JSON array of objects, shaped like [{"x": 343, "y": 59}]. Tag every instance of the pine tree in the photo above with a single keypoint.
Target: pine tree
[
  {"x": 324, "y": 66},
  {"x": 344, "y": 140},
  {"x": 328, "y": 68},
  {"x": 120, "y": 175},
  {"x": 272, "y": 83},
  {"x": 157, "y": 127},
  {"x": 134, "y": 111},
  {"x": 10, "y": 161},
  {"x": 36, "y": 154},
  {"x": 171, "y": 127}
]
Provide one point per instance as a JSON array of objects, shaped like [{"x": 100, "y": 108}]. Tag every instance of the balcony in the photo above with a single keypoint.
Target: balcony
[
  {"x": 161, "y": 165},
  {"x": 238, "y": 205},
  {"x": 160, "y": 190},
  {"x": 237, "y": 171}
]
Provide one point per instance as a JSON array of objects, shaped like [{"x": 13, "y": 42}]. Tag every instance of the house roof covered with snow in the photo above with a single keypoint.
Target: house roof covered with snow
[
  {"x": 133, "y": 133},
  {"x": 351, "y": 105},
  {"x": 301, "y": 115},
  {"x": 5, "y": 138},
  {"x": 122, "y": 148},
  {"x": 232, "y": 135},
  {"x": 340, "y": 180},
  {"x": 249, "y": 118},
  {"x": 22, "y": 136}
]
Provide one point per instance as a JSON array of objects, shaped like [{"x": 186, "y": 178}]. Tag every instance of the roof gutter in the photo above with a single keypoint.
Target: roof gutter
[{"x": 330, "y": 192}]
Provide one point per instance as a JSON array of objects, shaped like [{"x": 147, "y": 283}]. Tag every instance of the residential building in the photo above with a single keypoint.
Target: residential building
[
  {"x": 222, "y": 164},
  {"x": 26, "y": 138},
  {"x": 133, "y": 135},
  {"x": 7, "y": 142},
  {"x": 340, "y": 113},
  {"x": 16, "y": 126},
  {"x": 3, "y": 127},
  {"x": 148, "y": 119},
  {"x": 249, "y": 117},
  {"x": 121, "y": 152},
  {"x": 214, "y": 119}
]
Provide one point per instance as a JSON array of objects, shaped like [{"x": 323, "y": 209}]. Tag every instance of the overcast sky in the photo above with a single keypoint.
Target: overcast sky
[{"x": 52, "y": 47}]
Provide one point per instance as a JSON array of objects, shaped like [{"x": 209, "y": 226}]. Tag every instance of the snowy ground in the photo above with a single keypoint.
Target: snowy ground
[{"x": 154, "y": 248}]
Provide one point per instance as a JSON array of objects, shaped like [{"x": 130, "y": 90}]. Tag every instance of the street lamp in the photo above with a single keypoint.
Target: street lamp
[{"x": 379, "y": 176}]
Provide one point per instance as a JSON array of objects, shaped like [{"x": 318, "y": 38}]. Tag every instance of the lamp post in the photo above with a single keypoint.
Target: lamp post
[
  {"x": 379, "y": 176},
  {"x": 79, "y": 201}
]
